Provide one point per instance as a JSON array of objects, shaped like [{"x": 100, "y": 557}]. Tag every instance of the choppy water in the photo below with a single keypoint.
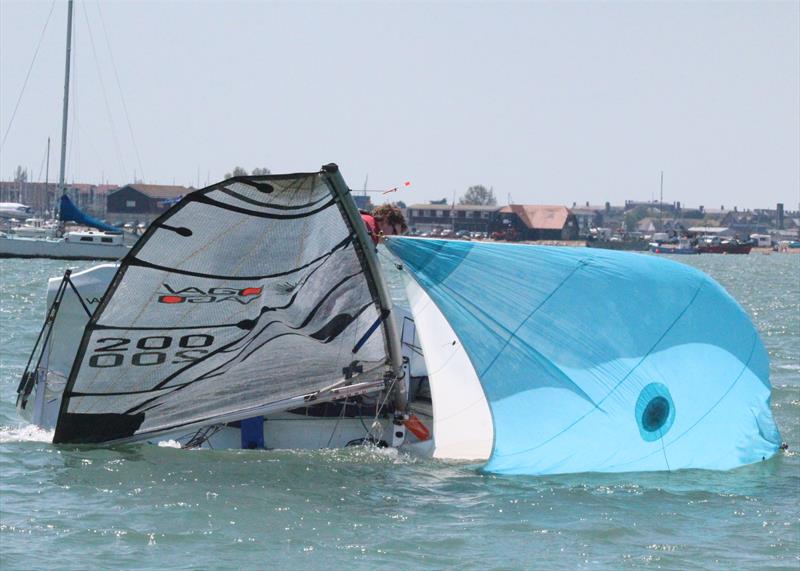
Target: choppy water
[{"x": 148, "y": 507}]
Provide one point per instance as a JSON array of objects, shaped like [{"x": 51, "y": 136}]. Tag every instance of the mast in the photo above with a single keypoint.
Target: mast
[
  {"x": 373, "y": 266},
  {"x": 66, "y": 101},
  {"x": 661, "y": 204},
  {"x": 453, "y": 213},
  {"x": 45, "y": 202}
]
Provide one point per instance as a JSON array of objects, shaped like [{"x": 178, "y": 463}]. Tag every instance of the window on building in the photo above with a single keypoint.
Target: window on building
[
  {"x": 439, "y": 213},
  {"x": 484, "y": 214},
  {"x": 130, "y": 204}
]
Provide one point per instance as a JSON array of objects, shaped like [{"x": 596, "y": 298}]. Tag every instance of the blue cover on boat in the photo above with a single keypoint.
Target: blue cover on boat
[
  {"x": 252, "y": 433},
  {"x": 599, "y": 360},
  {"x": 69, "y": 212}
]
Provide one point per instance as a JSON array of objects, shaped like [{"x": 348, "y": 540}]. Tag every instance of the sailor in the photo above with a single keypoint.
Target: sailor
[
  {"x": 371, "y": 224},
  {"x": 385, "y": 220}
]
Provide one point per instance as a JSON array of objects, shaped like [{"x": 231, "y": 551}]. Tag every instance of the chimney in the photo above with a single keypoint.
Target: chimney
[
  {"x": 608, "y": 207},
  {"x": 736, "y": 209},
  {"x": 779, "y": 212},
  {"x": 722, "y": 207},
  {"x": 702, "y": 209},
  {"x": 573, "y": 204},
  {"x": 587, "y": 204},
  {"x": 678, "y": 206}
]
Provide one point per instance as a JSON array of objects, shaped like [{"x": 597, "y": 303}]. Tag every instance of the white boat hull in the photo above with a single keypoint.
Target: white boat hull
[
  {"x": 59, "y": 248},
  {"x": 289, "y": 431}
]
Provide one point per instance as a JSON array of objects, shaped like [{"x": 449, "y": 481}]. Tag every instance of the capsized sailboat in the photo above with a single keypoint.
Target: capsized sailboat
[
  {"x": 253, "y": 296},
  {"x": 254, "y": 314}
]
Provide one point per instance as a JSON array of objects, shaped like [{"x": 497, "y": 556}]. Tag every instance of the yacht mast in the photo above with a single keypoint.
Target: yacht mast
[
  {"x": 660, "y": 203},
  {"x": 66, "y": 101}
]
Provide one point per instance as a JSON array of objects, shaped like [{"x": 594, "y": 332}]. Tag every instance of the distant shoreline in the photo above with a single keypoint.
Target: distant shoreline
[{"x": 582, "y": 244}]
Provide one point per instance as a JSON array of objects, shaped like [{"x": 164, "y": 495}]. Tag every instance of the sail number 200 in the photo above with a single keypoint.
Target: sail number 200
[{"x": 152, "y": 350}]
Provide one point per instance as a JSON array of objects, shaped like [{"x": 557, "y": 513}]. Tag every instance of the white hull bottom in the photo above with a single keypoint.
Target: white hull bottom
[
  {"x": 287, "y": 431},
  {"x": 59, "y": 249}
]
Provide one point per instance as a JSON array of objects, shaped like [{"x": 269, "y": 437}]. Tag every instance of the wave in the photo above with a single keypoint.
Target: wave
[{"x": 27, "y": 433}]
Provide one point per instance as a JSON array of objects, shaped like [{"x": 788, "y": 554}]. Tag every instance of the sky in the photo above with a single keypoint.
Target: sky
[{"x": 545, "y": 102}]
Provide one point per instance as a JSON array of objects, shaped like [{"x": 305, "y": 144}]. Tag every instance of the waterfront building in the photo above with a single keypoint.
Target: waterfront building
[
  {"x": 455, "y": 217},
  {"x": 42, "y": 197},
  {"x": 589, "y": 216},
  {"x": 648, "y": 225},
  {"x": 538, "y": 222},
  {"x": 142, "y": 203}
]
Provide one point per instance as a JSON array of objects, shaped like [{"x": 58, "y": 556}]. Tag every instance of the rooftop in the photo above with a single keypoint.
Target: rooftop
[
  {"x": 541, "y": 217},
  {"x": 472, "y": 207},
  {"x": 159, "y": 190}
]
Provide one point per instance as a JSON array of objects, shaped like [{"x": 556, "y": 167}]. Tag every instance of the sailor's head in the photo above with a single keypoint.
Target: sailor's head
[{"x": 389, "y": 219}]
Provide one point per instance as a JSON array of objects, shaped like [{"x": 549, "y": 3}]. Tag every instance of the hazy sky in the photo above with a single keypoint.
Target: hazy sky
[{"x": 546, "y": 102}]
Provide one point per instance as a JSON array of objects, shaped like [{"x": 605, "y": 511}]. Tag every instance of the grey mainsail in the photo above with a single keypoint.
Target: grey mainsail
[{"x": 245, "y": 297}]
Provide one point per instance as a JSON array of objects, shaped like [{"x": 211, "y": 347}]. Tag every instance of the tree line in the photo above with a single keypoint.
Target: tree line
[
  {"x": 477, "y": 195},
  {"x": 239, "y": 171}
]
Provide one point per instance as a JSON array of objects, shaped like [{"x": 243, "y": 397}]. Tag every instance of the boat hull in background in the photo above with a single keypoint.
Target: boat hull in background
[
  {"x": 59, "y": 248},
  {"x": 725, "y": 248}
]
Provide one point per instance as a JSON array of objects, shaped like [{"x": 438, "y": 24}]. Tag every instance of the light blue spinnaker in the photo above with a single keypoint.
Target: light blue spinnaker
[{"x": 597, "y": 360}]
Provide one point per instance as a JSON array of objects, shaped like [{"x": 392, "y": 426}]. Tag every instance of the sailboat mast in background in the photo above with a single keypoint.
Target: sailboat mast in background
[{"x": 66, "y": 101}]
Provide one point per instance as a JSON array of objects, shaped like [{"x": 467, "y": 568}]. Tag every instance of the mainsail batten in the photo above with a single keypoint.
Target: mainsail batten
[{"x": 245, "y": 295}]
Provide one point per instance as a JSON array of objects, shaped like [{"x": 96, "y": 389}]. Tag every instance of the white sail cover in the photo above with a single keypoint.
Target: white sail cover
[{"x": 245, "y": 294}]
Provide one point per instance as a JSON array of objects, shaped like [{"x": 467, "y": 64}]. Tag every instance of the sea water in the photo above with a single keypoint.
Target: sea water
[{"x": 160, "y": 507}]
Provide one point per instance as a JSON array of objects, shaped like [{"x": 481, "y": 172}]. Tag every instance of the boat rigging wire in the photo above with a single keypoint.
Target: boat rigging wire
[
  {"x": 28, "y": 75},
  {"x": 121, "y": 92},
  {"x": 44, "y": 159},
  {"x": 379, "y": 408},
  {"x": 105, "y": 95},
  {"x": 202, "y": 436},
  {"x": 336, "y": 425},
  {"x": 78, "y": 295}
]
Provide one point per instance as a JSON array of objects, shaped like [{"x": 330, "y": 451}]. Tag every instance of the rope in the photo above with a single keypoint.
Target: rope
[
  {"x": 379, "y": 409},
  {"x": 335, "y": 426},
  {"x": 202, "y": 436}
]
